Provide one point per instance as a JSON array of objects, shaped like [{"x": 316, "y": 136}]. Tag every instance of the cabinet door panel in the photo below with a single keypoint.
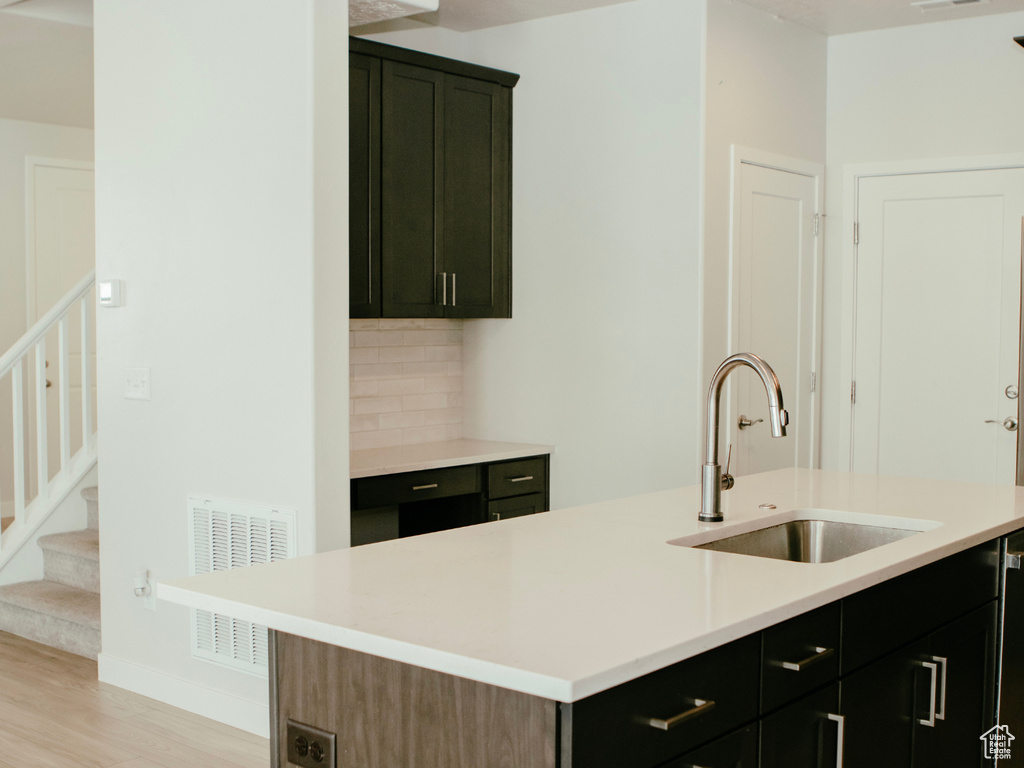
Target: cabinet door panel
[
  {"x": 517, "y": 506},
  {"x": 412, "y": 189},
  {"x": 802, "y": 735},
  {"x": 879, "y": 705},
  {"x": 364, "y": 185},
  {"x": 965, "y": 654},
  {"x": 1011, "y": 691},
  {"x": 476, "y": 205}
]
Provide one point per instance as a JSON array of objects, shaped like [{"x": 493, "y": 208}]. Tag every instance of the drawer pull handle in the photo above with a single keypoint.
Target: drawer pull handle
[
  {"x": 522, "y": 479},
  {"x": 424, "y": 487},
  {"x": 840, "y": 722},
  {"x": 819, "y": 654},
  {"x": 941, "y": 714},
  {"x": 701, "y": 707},
  {"x": 934, "y": 669}
]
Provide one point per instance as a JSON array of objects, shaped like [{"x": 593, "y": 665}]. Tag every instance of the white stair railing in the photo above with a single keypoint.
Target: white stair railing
[{"x": 33, "y": 506}]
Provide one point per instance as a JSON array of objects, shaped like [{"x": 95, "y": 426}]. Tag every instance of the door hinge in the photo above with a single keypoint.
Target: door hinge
[
  {"x": 816, "y": 220},
  {"x": 853, "y": 392},
  {"x": 856, "y": 233},
  {"x": 814, "y": 380}
]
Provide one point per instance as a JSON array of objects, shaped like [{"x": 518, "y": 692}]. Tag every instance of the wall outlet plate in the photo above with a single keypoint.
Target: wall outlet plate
[{"x": 309, "y": 747}]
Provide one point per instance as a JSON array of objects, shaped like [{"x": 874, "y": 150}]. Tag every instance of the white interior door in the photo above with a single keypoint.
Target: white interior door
[
  {"x": 775, "y": 314},
  {"x": 937, "y": 328},
  {"x": 62, "y": 249}
]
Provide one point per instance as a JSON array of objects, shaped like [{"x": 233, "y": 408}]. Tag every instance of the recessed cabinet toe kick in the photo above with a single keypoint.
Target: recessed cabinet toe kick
[{"x": 890, "y": 676}]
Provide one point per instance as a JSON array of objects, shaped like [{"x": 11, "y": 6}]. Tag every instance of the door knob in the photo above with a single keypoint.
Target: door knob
[
  {"x": 1009, "y": 423},
  {"x": 744, "y": 422}
]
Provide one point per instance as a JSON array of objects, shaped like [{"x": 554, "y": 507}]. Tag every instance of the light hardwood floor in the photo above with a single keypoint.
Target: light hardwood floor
[{"x": 55, "y": 713}]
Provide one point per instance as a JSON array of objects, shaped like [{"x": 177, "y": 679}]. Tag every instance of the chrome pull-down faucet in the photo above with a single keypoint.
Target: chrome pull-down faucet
[{"x": 711, "y": 472}]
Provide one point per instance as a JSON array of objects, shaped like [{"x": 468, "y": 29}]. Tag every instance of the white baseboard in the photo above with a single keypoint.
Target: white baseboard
[{"x": 216, "y": 705}]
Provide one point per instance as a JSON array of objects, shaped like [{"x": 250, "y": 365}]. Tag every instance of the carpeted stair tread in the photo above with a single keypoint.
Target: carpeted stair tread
[
  {"x": 47, "y": 597},
  {"x": 84, "y": 544},
  {"x": 4, "y": 522}
]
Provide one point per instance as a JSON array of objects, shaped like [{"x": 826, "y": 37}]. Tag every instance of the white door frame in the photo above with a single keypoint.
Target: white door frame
[
  {"x": 739, "y": 156},
  {"x": 31, "y": 163},
  {"x": 852, "y": 174}
]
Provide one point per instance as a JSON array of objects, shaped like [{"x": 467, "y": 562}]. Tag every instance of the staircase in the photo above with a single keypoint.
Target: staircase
[{"x": 63, "y": 609}]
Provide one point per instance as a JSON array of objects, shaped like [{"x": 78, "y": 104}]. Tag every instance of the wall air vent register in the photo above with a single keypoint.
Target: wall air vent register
[{"x": 225, "y": 535}]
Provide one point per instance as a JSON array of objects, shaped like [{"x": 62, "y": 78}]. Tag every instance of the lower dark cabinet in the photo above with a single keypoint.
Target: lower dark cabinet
[
  {"x": 878, "y": 705},
  {"x": 737, "y": 750},
  {"x": 805, "y": 734},
  {"x": 964, "y": 655},
  {"x": 411, "y": 503}
]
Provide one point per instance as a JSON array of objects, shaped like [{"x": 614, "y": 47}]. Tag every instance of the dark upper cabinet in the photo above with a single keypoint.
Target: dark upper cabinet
[
  {"x": 431, "y": 232},
  {"x": 364, "y": 185}
]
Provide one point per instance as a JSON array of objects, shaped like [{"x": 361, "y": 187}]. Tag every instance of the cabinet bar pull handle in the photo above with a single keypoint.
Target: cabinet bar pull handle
[
  {"x": 819, "y": 654},
  {"x": 444, "y": 289},
  {"x": 1013, "y": 560},
  {"x": 840, "y": 722},
  {"x": 495, "y": 516},
  {"x": 701, "y": 707},
  {"x": 934, "y": 669},
  {"x": 424, "y": 487},
  {"x": 941, "y": 714},
  {"x": 522, "y": 479},
  {"x": 453, "y": 289}
]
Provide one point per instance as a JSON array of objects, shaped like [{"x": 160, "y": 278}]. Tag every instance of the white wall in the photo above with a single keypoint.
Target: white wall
[
  {"x": 600, "y": 358},
  {"x": 941, "y": 90},
  {"x": 766, "y": 91},
  {"x": 47, "y": 71},
  {"x": 208, "y": 133},
  {"x": 19, "y": 139}
]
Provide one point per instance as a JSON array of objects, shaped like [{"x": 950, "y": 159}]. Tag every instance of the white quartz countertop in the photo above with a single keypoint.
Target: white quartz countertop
[
  {"x": 451, "y": 453},
  {"x": 568, "y": 603}
]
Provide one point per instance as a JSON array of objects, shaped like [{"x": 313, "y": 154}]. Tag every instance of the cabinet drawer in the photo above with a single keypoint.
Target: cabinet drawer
[
  {"x": 386, "y": 490},
  {"x": 516, "y": 478},
  {"x": 614, "y": 728},
  {"x": 737, "y": 750},
  {"x": 517, "y": 506},
  {"x": 881, "y": 619},
  {"x": 799, "y": 655}
]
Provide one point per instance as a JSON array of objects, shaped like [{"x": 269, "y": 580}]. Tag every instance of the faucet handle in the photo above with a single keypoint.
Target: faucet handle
[{"x": 728, "y": 481}]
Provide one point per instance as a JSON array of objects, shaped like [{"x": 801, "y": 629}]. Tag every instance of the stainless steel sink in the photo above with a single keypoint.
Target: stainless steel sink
[{"x": 809, "y": 541}]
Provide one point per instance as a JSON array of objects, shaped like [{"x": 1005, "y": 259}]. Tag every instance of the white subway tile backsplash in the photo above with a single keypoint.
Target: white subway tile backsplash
[
  {"x": 364, "y": 355},
  {"x": 405, "y": 420},
  {"x": 443, "y": 384},
  {"x": 405, "y": 381},
  {"x": 424, "y": 435},
  {"x": 402, "y": 354},
  {"x": 424, "y": 402},
  {"x": 425, "y": 338},
  {"x": 382, "y": 438},
  {"x": 366, "y": 388},
  {"x": 402, "y": 387},
  {"x": 366, "y": 423},
  {"x": 365, "y": 405},
  {"x": 426, "y": 369}
]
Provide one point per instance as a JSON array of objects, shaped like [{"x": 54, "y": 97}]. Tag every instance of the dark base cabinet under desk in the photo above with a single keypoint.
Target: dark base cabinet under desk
[{"x": 410, "y": 503}]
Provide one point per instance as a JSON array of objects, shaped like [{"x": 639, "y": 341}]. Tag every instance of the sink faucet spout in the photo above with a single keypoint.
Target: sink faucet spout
[{"x": 711, "y": 471}]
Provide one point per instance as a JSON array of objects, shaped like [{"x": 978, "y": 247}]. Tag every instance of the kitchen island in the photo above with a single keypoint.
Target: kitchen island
[{"x": 539, "y": 613}]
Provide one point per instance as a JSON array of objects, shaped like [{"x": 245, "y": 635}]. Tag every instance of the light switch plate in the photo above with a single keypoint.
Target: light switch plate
[{"x": 136, "y": 383}]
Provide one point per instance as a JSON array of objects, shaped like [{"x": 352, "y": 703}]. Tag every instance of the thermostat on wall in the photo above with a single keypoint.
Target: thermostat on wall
[{"x": 110, "y": 293}]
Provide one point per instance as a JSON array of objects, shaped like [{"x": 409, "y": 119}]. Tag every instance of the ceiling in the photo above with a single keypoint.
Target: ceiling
[
  {"x": 840, "y": 17},
  {"x": 829, "y": 17},
  {"x": 76, "y": 12}
]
